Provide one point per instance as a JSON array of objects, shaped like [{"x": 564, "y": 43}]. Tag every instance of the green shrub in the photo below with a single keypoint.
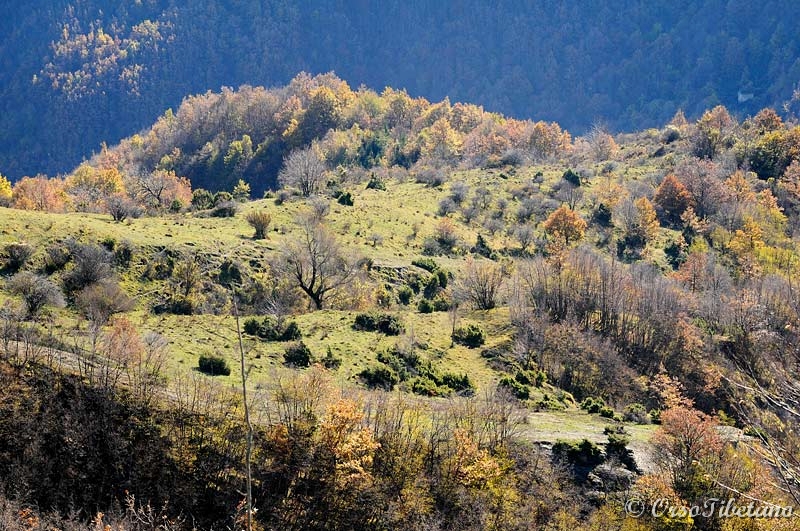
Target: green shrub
[
  {"x": 425, "y": 386},
  {"x": 441, "y": 274},
  {"x": 471, "y": 336},
  {"x": 291, "y": 332},
  {"x": 441, "y": 304},
  {"x": 297, "y": 355},
  {"x": 375, "y": 183},
  {"x": 222, "y": 197},
  {"x": 584, "y": 453},
  {"x": 404, "y": 295},
  {"x": 123, "y": 254},
  {"x": 330, "y": 361},
  {"x": 251, "y": 326},
  {"x": 345, "y": 199},
  {"x": 425, "y": 306},
  {"x": 606, "y": 412},
  {"x": 202, "y": 199},
  {"x": 432, "y": 287},
  {"x": 379, "y": 377},
  {"x": 636, "y": 413},
  {"x": 593, "y": 405},
  {"x": 378, "y": 322},
  {"x": 572, "y": 177},
  {"x": 428, "y": 264},
  {"x": 213, "y": 366},
  {"x": 225, "y": 209},
  {"x": 521, "y": 391},
  {"x": 460, "y": 383}
]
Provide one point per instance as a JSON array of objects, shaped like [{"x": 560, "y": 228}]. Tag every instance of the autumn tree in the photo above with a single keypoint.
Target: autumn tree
[
  {"x": 160, "y": 189},
  {"x": 638, "y": 222},
  {"x": 5, "y": 192},
  {"x": 671, "y": 200},
  {"x": 713, "y": 132},
  {"x": 40, "y": 193},
  {"x": 303, "y": 169},
  {"x": 316, "y": 263},
  {"x": 565, "y": 225},
  {"x": 91, "y": 187}
]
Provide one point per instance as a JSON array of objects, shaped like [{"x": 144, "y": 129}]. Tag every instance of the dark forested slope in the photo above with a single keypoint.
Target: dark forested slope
[{"x": 78, "y": 72}]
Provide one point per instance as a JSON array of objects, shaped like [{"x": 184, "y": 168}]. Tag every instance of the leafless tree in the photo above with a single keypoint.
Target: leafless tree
[
  {"x": 303, "y": 169},
  {"x": 481, "y": 283},
  {"x": 36, "y": 292},
  {"x": 316, "y": 263}
]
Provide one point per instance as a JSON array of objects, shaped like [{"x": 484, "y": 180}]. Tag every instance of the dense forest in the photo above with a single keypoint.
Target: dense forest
[{"x": 78, "y": 73}]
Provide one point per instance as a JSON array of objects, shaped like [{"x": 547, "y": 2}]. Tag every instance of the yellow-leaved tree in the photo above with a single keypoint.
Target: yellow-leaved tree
[{"x": 5, "y": 192}]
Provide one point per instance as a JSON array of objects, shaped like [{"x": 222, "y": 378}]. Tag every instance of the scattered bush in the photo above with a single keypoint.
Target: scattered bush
[
  {"x": 572, "y": 177},
  {"x": 584, "y": 453},
  {"x": 375, "y": 183},
  {"x": 636, "y": 413},
  {"x": 92, "y": 264},
  {"x": 202, "y": 199},
  {"x": 379, "y": 377},
  {"x": 297, "y": 355},
  {"x": 259, "y": 220},
  {"x": 56, "y": 257},
  {"x": 123, "y": 254},
  {"x": 404, "y": 295},
  {"x": 440, "y": 303},
  {"x": 471, "y": 336},
  {"x": 330, "y": 361},
  {"x": 225, "y": 209},
  {"x": 516, "y": 388},
  {"x": 16, "y": 256},
  {"x": 378, "y": 322},
  {"x": 121, "y": 208},
  {"x": 428, "y": 264},
  {"x": 271, "y": 329},
  {"x": 36, "y": 292},
  {"x": 425, "y": 306},
  {"x": 345, "y": 199},
  {"x": 606, "y": 412},
  {"x": 213, "y": 366},
  {"x": 593, "y": 405}
]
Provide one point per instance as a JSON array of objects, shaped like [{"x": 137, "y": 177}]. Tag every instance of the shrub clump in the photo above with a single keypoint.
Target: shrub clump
[
  {"x": 213, "y": 366},
  {"x": 378, "y": 322},
  {"x": 271, "y": 329},
  {"x": 592, "y": 405},
  {"x": 520, "y": 390},
  {"x": 404, "y": 295},
  {"x": 298, "y": 355},
  {"x": 428, "y": 264},
  {"x": 471, "y": 336},
  {"x": 379, "y": 377}
]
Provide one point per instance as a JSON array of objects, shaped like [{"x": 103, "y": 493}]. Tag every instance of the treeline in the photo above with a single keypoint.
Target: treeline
[
  {"x": 96, "y": 456},
  {"x": 81, "y": 73}
]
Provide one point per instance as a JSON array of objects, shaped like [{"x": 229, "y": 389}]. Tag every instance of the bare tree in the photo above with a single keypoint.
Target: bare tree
[
  {"x": 37, "y": 292},
  {"x": 480, "y": 284},
  {"x": 315, "y": 262},
  {"x": 304, "y": 170}
]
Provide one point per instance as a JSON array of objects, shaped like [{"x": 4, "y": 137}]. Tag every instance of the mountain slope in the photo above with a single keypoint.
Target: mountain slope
[{"x": 631, "y": 65}]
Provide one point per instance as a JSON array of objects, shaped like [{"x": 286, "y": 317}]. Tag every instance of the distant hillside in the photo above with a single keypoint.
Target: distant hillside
[{"x": 76, "y": 73}]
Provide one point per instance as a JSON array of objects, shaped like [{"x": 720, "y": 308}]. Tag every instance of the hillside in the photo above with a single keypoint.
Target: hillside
[
  {"x": 451, "y": 319},
  {"x": 78, "y": 73}
]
